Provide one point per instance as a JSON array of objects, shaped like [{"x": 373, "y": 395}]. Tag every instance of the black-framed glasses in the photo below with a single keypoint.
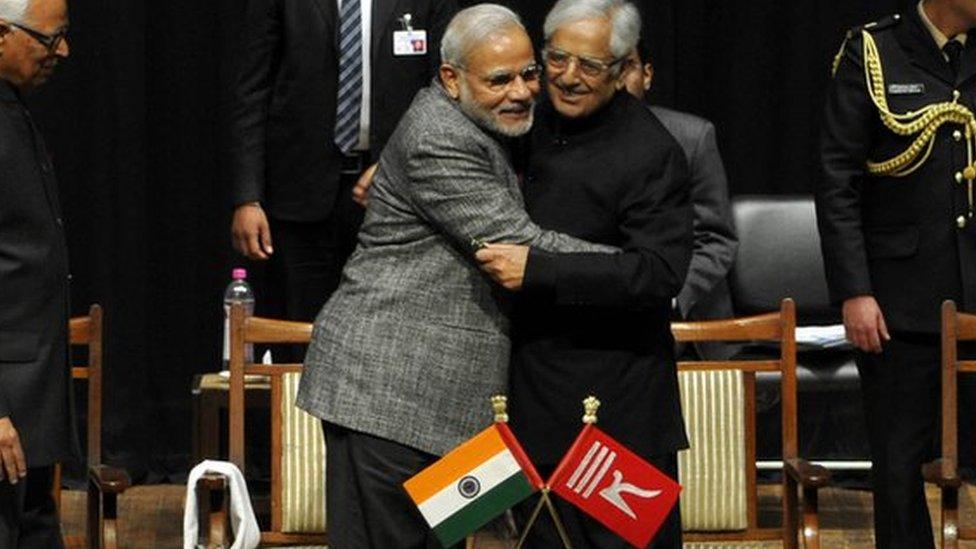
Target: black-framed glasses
[
  {"x": 559, "y": 60},
  {"x": 51, "y": 42},
  {"x": 498, "y": 81}
]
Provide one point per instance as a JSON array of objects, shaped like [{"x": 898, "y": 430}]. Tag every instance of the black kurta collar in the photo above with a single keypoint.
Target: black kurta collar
[{"x": 596, "y": 122}]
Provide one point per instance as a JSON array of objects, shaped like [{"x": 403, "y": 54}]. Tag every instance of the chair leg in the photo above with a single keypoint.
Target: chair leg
[
  {"x": 950, "y": 518},
  {"x": 212, "y": 496},
  {"x": 94, "y": 516},
  {"x": 790, "y": 508},
  {"x": 811, "y": 519}
]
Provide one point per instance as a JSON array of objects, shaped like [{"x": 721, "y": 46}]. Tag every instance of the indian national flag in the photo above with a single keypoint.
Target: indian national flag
[{"x": 474, "y": 483}]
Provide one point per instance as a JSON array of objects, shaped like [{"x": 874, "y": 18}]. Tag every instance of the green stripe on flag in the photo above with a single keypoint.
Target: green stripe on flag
[{"x": 482, "y": 509}]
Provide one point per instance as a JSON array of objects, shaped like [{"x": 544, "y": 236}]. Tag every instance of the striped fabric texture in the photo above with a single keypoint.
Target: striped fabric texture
[
  {"x": 712, "y": 471},
  {"x": 350, "y": 93},
  {"x": 302, "y": 465}
]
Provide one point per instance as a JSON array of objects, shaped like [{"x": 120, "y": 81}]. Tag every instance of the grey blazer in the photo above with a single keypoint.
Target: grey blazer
[
  {"x": 415, "y": 340},
  {"x": 705, "y": 294}
]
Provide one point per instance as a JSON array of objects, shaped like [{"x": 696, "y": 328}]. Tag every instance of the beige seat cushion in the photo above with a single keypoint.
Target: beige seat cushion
[
  {"x": 712, "y": 471},
  {"x": 302, "y": 465}
]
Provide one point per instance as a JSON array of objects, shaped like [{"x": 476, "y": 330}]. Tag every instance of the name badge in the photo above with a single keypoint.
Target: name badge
[
  {"x": 906, "y": 89},
  {"x": 409, "y": 42}
]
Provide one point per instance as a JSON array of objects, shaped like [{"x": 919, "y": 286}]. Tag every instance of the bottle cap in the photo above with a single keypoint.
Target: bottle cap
[{"x": 239, "y": 274}]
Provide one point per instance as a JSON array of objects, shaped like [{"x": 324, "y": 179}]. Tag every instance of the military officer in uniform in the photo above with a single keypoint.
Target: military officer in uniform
[{"x": 895, "y": 213}]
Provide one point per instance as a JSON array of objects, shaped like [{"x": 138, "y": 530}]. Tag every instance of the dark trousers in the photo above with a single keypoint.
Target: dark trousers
[
  {"x": 584, "y": 531},
  {"x": 366, "y": 504},
  {"x": 307, "y": 263},
  {"x": 901, "y": 388},
  {"x": 28, "y": 517},
  {"x": 309, "y": 256}
]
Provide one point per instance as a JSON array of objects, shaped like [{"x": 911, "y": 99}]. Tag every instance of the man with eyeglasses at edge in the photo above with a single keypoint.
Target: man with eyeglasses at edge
[
  {"x": 36, "y": 428},
  {"x": 406, "y": 354},
  {"x": 603, "y": 168}
]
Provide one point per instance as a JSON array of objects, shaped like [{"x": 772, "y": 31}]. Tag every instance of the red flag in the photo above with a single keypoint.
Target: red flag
[{"x": 615, "y": 486}]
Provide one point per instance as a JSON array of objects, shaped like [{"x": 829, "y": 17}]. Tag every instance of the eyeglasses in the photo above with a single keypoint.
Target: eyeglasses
[
  {"x": 499, "y": 81},
  {"x": 48, "y": 41},
  {"x": 559, "y": 59}
]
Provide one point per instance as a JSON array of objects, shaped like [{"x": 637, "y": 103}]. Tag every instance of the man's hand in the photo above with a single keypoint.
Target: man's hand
[
  {"x": 360, "y": 192},
  {"x": 252, "y": 237},
  {"x": 505, "y": 263},
  {"x": 864, "y": 324},
  {"x": 13, "y": 466}
]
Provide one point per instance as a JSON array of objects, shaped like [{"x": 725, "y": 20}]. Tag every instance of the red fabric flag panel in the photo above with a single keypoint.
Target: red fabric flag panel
[{"x": 615, "y": 486}]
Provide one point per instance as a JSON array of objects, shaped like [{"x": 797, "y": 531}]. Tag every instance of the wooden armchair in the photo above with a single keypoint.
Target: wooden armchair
[
  {"x": 105, "y": 483},
  {"x": 297, "y": 445},
  {"x": 719, "y": 502},
  {"x": 943, "y": 472}
]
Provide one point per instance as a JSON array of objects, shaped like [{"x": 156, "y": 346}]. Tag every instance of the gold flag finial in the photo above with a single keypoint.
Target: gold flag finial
[
  {"x": 590, "y": 406},
  {"x": 499, "y": 403}
]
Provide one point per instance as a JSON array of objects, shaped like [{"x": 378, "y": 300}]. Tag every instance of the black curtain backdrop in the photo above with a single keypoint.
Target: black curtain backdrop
[{"x": 131, "y": 121}]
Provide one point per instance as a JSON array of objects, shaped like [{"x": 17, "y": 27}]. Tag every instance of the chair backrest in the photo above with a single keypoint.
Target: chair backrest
[
  {"x": 297, "y": 447},
  {"x": 719, "y": 397},
  {"x": 956, "y": 327},
  {"x": 778, "y": 257}
]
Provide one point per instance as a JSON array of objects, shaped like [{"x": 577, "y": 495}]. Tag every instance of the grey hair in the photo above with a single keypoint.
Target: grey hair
[
  {"x": 471, "y": 26},
  {"x": 625, "y": 21},
  {"x": 14, "y": 11}
]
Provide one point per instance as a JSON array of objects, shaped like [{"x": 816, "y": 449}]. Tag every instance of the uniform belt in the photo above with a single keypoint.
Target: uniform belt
[{"x": 354, "y": 162}]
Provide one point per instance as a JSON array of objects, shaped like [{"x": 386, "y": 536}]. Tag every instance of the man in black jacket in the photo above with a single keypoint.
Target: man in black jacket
[
  {"x": 35, "y": 418},
  {"x": 603, "y": 168},
  {"x": 895, "y": 212},
  {"x": 320, "y": 86}
]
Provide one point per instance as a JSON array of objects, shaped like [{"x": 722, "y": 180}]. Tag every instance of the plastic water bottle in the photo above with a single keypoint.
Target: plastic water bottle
[{"x": 238, "y": 291}]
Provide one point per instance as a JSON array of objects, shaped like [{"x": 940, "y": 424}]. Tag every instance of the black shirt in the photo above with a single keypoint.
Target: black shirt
[{"x": 595, "y": 323}]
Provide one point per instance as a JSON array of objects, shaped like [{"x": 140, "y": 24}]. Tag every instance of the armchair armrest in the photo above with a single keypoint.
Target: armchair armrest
[
  {"x": 942, "y": 473},
  {"x": 109, "y": 480},
  {"x": 807, "y": 474}
]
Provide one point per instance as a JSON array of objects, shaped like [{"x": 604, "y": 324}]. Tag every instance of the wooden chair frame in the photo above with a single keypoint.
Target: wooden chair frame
[
  {"x": 105, "y": 483},
  {"x": 944, "y": 471},
  {"x": 246, "y": 330},
  {"x": 798, "y": 474}
]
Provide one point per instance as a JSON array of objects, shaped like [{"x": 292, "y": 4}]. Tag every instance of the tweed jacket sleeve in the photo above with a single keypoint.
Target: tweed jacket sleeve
[{"x": 457, "y": 188}]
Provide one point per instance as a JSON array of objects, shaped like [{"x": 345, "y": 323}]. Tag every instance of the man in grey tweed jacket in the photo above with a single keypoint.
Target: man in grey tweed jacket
[{"x": 407, "y": 352}]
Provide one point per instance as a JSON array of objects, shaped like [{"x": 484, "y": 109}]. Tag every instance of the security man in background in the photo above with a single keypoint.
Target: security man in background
[
  {"x": 36, "y": 428},
  {"x": 320, "y": 86},
  {"x": 895, "y": 213}
]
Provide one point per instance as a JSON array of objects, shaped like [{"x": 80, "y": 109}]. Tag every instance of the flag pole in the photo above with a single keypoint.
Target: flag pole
[
  {"x": 555, "y": 519},
  {"x": 532, "y": 518}
]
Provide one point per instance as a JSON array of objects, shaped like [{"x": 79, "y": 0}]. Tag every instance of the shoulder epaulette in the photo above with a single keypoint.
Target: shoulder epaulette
[
  {"x": 879, "y": 25},
  {"x": 874, "y": 26}
]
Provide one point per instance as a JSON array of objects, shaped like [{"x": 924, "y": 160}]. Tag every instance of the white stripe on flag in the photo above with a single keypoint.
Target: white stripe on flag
[{"x": 449, "y": 500}]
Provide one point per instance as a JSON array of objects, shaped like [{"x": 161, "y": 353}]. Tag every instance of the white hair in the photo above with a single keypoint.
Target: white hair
[
  {"x": 625, "y": 21},
  {"x": 471, "y": 26},
  {"x": 14, "y": 11}
]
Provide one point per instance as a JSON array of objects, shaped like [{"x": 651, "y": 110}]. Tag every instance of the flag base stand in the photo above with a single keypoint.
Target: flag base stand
[{"x": 545, "y": 500}]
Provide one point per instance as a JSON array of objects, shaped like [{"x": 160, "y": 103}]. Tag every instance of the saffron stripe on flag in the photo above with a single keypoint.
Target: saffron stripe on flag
[
  {"x": 489, "y": 474},
  {"x": 454, "y": 465},
  {"x": 483, "y": 509}
]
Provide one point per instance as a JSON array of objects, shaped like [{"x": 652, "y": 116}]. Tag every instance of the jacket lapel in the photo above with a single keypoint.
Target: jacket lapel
[
  {"x": 382, "y": 12},
  {"x": 923, "y": 51}
]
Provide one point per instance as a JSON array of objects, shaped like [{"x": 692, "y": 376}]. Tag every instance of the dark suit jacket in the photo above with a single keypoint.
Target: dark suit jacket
[
  {"x": 34, "y": 374},
  {"x": 705, "y": 294},
  {"x": 897, "y": 238},
  {"x": 595, "y": 323},
  {"x": 280, "y": 118}
]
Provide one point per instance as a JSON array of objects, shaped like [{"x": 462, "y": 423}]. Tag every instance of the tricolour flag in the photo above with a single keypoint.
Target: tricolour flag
[
  {"x": 615, "y": 486},
  {"x": 474, "y": 483}
]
